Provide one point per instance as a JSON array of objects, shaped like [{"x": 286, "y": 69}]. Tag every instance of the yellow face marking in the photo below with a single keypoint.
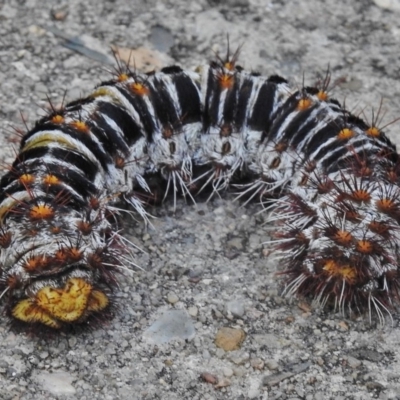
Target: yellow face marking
[
  {"x": 345, "y": 134},
  {"x": 27, "y": 311},
  {"x": 346, "y": 272},
  {"x": 67, "y": 304},
  {"x": 97, "y": 301}
]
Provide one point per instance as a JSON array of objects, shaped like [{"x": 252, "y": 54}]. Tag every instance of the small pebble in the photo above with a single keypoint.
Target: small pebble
[
  {"x": 223, "y": 382},
  {"x": 235, "y": 307},
  {"x": 228, "y": 372},
  {"x": 209, "y": 378},
  {"x": 229, "y": 339},
  {"x": 271, "y": 364},
  {"x": 172, "y": 298},
  {"x": 353, "y": 362},
  {"x": 257, "y": 363},
  {"x": 193, "y": 311}
]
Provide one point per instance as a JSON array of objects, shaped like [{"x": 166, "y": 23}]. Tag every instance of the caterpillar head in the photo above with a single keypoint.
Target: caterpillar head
[{"x": 57, "y": 271}]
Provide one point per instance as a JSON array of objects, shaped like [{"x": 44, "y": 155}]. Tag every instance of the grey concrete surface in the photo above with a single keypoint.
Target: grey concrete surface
[{"x": 208, "y": 261}]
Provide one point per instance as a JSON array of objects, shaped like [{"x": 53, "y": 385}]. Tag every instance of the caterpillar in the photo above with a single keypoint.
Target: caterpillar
[{"x": 329, "y": 178}]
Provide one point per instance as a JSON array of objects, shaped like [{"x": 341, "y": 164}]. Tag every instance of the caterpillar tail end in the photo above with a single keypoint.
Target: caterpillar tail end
[{"x": 55, "y": 307}]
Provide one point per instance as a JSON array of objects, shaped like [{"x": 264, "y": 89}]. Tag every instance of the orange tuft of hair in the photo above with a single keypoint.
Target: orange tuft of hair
[{"x": 41, "y": 211}]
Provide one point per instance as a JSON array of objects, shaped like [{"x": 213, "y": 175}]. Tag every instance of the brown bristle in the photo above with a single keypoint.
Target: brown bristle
[
  {"x": 343, "y": 237},
  {"x": 387, "y": 205},
  {"x": 74, "y": 254},
  {"x": 365, "y": 246},
  {"x": 95, "y": 261},
  {"x": 94, "y": 203},
  {"x": 35, "y": 263},
  {"x": 379, "y": 227},
  {"x": 5, "y": 239},
  {"x": 360, "y": 195},
  {"x": 55, "y": 230},
  {"x": 85, "y": 227}
]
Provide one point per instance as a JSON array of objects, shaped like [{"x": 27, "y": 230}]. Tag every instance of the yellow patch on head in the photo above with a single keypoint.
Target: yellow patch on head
[
  {"x": 139, "y": 89},
  {"x": 345, "y": 134},
  {"x": 26, "y": 310},
  {"x": 27, "y": 179},
  {"x": 57, "y": 119},
  {"x": 304, "y": 104},
  {"x": 41, "y": 211},
  {"x": 97, "y": 301},
  {"x": 346, "y": 272},
  {"x": 81, "y": 126},
  {"x": 67, "y": 304},
  {"x": 51, "y": 180}
]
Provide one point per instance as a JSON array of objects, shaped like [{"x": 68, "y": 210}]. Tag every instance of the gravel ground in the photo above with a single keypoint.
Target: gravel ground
[{"x": 207, "y": 262}]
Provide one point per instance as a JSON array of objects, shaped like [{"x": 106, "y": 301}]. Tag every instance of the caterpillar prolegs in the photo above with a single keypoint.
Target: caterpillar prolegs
[{"x": 337, "y": 178}]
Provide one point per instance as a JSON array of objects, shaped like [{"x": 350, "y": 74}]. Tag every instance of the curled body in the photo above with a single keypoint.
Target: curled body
[{"x": 337, "y": 177}]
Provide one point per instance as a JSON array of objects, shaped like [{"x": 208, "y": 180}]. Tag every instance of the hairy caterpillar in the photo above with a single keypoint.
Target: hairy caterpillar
[{"x": 337, "y": 177}]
